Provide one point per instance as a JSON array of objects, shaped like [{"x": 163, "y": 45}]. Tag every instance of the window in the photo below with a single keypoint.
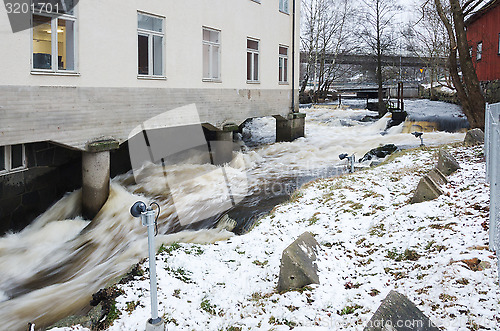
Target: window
[
  {"x": 211, "y": 54},
  {"x": 54, "y": 46},
  {"x": 479, "y": 54},
  {"x": 150, "y": 45},
  {"x": 283, "y": 64},
  {"x": 499, "y": 44},
  {"x": 252, "y": 60},
  {"x": 12, "y": 158},
  {"x": 284, "y": 6}
]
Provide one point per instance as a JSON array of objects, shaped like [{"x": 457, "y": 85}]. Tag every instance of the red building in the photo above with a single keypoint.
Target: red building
[{"x": 483, "y": 33}]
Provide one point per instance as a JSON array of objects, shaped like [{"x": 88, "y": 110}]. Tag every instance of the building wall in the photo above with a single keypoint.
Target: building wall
[
  {"x": 24, "y": 194},
  {"x": 106, "y": 97},
  {"x": 486, "y": 29}
]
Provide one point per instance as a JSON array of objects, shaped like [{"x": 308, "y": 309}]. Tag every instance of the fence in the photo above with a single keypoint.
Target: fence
[{"x": 492, "y": 150}]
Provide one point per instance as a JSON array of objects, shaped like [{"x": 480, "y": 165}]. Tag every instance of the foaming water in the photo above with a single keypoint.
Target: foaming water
[{"x": 51, "y": 268}]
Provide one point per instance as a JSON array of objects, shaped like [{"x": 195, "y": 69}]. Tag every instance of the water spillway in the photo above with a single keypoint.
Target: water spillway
[{"x": 51, "y": 268}]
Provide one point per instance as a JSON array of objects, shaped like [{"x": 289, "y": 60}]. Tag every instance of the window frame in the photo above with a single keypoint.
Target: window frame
[
  {"x": 498, "y": 44},
  {"x": 54, "y": 18},
  {"x": 479, "y": 51},
  {"x": 8, "y": 160},
  {"x": 283, "y": 70},
  {"x": 150, "y": 35},
  {"x": 211, "y": 44},
  {"x": 253, "y": 52},
  {"x": 282, "y": 8}
]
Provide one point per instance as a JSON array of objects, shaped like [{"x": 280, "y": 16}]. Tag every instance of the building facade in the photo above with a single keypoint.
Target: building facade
[
  {"x": 483, "y": 32},
  {"x": 103, "y": 67}
]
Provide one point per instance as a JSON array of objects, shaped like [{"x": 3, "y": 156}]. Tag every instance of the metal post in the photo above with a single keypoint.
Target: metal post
[
  {"x": 149, "y": 221},
  {"x": 147, "y": 216}
]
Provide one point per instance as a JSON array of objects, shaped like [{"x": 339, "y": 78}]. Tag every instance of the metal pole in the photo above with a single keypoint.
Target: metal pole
[{"x": 150, "y": 222}]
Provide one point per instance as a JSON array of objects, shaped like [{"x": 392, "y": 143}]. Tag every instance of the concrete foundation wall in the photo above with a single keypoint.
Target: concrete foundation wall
[
  {"x": 52, "y": 171},
  {"x": 74, "y": 115}
]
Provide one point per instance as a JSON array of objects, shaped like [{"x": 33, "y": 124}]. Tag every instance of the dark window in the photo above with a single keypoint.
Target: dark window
[
  {"x": 2, "y": 158},
  {"x": 143, "y": 55},
  {"x": 17, "y": 156}
]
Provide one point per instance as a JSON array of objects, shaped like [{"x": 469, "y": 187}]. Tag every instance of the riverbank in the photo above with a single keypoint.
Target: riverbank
[{"x": 373, "y": 241}]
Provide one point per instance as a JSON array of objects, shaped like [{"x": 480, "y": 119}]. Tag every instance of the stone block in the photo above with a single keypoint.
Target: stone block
[
  {"x": 474, "y": 137},
  {"x": 447, "y": 164},
  {"x": 427, "y": 190},
  {"x": 397, "y": 313},
  {"x": 298, "y": 267},
  {"x": 437, "y": 176}
]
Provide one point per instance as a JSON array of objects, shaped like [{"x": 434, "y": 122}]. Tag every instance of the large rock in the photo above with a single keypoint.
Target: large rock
[
  {"x": 379, "y": 152},
  {"x": 298, "y": 267},
  {"x": 474, "y": 137},
  {"x": 397, "y": 313},
  {"x": 427, "y": 190},
  {"x": 447, "y": 164}
]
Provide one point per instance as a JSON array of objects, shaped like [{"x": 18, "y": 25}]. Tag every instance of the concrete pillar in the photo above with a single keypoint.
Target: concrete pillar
[
  {"x": 95, "y": 176},
  {"x": 222, "y": 147},
  {"x": 289, "y": 129}
]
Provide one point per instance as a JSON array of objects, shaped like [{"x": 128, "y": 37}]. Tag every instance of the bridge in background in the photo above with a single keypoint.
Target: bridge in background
[{"x": 389, "y": 60}]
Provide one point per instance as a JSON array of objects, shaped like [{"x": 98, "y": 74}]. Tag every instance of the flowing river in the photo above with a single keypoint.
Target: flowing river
[{"x": 51, "y": 268}]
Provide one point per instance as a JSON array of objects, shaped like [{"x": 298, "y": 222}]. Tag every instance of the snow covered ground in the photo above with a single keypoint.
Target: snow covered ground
[{"x": 373, "y": 241}]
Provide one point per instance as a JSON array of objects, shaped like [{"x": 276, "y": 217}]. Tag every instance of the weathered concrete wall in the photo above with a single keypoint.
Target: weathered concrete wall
[
  {"x": 52, "y": 171},
  {"x": 72, "y": 116}
]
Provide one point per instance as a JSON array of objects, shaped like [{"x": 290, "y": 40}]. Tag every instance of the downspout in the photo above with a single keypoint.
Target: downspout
[{"x": 293, "y": 57}]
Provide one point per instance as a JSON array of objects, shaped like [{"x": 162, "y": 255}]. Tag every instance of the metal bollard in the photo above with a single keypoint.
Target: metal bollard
[{"x": 147, "y": 215}]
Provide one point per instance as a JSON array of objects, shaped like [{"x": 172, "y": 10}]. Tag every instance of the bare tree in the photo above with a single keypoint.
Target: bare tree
[
  {"x": 325, "y": 35},
  {"x": 427, "y": 39},
  {"x": 378, "y": 34},
  {"x": 469, "y": 92}
]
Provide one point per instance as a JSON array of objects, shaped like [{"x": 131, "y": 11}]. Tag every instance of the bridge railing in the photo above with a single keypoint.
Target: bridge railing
[{"x": 492, "y": 151}]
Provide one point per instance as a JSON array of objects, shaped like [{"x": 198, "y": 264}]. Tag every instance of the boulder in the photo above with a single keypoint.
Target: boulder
[
  {"x": 474, "y": 137},
  {"x": 298, "y": 267},
  {"x": 397, "y": 313},
  {"x": 427, "y": 190},
  {"x": 437, "y": 176},
  {"x": 379, "y": 152},
  {"x": 447, "y": 164}
]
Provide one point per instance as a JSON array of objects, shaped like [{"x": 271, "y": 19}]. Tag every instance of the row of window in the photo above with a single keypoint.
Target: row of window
[
  {"x": 479, "y": 49},
  {"x": 12, "y": 157},
  {"x": 54, "y": 48},
  {"x": 283, "y": 6}
]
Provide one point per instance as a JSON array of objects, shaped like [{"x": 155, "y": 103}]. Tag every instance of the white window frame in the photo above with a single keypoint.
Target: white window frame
[
  {"x": 150, "y": 34},
  {"x": 499, "y": 44},
  {"x": 211, "y": 44},
  {"x": 479, "y": 51},
  {"x": 252, "y": 59},
  {"x": 281, "y": 66},
  {"x": 54, "y": 43},
  {"x": 284, "y": 6},
  {"x": 8, "y": 159}
]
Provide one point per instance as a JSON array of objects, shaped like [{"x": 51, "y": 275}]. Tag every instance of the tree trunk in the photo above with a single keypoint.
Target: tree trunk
[{"x": 476, "y": 102}]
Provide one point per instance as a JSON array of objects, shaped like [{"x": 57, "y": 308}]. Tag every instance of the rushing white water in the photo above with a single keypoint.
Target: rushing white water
[{"x": 52, "y": 267}]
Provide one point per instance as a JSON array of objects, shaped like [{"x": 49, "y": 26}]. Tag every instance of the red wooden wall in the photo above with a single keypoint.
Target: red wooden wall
[{"x": 486, "y": 29}]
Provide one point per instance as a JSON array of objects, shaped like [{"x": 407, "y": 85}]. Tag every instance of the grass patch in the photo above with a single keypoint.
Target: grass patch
[
  {"x": 407, "y": 255},
  {"x": 347, "y": 310},
  {"x": 169, "y": 248}
]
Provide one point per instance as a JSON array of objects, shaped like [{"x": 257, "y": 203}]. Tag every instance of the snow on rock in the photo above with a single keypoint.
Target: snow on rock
[{"x": 373, "y": 241}]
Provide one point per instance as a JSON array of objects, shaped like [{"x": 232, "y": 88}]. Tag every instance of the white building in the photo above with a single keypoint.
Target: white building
[{"x": 103, "y": 67}]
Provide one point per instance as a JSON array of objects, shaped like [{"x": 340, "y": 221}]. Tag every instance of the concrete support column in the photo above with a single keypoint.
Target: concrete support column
[
  {"x": 291, "y": 128},
  {"x": 222, "y": 146},
  {"x": 95, "y": 176}
]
